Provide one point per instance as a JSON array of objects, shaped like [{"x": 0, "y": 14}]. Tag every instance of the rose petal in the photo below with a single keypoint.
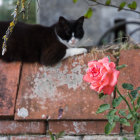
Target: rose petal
[
  {"x": 104, "y": 81},
  {"x": 114, "y": 79},
  {"x": 112, "y": 65},
  {"x": 104, "y": 60},
  {"x": 87, "y": 78},
  {"x": 108, "y": 90},
  {"x": 107, "y": 66},
  {"x": 94, "y": 88},
  {"x": 91, "y": 64}
]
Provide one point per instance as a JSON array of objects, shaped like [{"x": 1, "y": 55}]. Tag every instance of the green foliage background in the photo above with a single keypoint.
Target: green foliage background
[{"x": 8, "y": 7}]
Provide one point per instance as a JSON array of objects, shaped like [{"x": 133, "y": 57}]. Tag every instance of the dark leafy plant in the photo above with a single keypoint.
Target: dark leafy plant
[
  {"x": 123, "y": 5},
  {"x": 56, "y": 136},
  {"x": 123, "y": 116},
  {"x": 103, "y": 76}
]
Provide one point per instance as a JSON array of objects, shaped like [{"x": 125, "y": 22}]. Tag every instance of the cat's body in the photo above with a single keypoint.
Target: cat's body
[{"x": 46, "y": 45}]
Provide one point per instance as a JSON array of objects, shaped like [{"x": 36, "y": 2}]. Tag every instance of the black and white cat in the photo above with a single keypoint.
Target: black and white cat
[{"x": 46, "y": 45}]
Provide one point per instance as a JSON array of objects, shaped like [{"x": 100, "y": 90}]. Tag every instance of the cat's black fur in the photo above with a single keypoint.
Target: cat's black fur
[{"x": 36, "y": 43}]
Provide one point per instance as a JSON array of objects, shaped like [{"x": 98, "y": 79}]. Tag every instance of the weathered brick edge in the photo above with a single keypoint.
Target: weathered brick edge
[
  {"x": 44, "y": 137},
  {"x": 8, "y": 127},
  {"x": 81, "y": 127}
]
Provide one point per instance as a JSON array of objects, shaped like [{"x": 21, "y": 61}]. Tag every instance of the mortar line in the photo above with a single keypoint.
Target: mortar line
[
  {"x": 47, "y": 126},
  {"x": 18, "y": 85}
]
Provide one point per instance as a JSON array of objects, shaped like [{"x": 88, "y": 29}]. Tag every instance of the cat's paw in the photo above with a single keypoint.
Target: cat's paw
[
  {"x": 77, "y": 51},
  {"x": 74, "y": 51},
  {"x": 82, "y": 50}
]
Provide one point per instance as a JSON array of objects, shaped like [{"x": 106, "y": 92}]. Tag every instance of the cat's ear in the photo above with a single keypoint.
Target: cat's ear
[
  {"x": 62, "y": 20},
  {"x": 81, "y": 20}
]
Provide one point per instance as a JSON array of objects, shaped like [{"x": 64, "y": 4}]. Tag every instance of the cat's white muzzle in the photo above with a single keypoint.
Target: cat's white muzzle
[{"x": 73, "y": 42}]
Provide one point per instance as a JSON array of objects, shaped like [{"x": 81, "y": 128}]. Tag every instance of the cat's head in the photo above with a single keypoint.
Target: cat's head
[{"x": 70, "y": 32}]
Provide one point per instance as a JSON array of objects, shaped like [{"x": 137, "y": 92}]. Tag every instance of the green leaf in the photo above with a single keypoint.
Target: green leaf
[
  {"x": 138, "y": 88},
  {"x": 109, "y": 58},
  {"x": 129, "y": 6},
  {"x": 89, "y": 13},
  {"x": 136, "y": 127},
  {"x": 110, "y": 115},
  {"x": 109, "y": 127},
  {"x": 102, "y": 96},
  {"x": 133, "y": 5},
  {"x": 103, "y": 108},
  {"x": 138, "y": 101},
  {"x": 129, "y": 116},
  {"x": 124, "y": 122},
  {"x": 127, "y": 86},
  {"x": 110, "y": 119},
  {"x": 51, "y": 135},
  {"x": 124, "y": 138},
  {"x": 74, "y": 1},
  {"x": 112, "y": 112},
  {"x": 122, "y": 5},
  {"x": 60, "y": 134},
  {"x": 116, "y": 118},
  {"x": 108, "y": 2},
  {"x": 116, "y": 101},
  {"x": 122, "y": 112},
  {"x": 137, "y": 137},
  {"x": 134, "y": 93},
  {"x": 121, "y": 66}
]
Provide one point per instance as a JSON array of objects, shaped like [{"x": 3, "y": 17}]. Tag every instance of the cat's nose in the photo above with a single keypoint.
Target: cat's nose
[{"x": 73, "y": 41}]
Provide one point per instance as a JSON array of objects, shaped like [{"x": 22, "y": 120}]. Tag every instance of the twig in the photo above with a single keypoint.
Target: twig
[
  {"x": 13, "y": 23},
  {"x": 87, "y": 1},
  {"x": 28, "y": 8},
  {"x": 38, "y": 5},
  {"x": 114, "y": 6},
  {"x": 10, "y": 28},
  {"x": 134, "y": 31}
]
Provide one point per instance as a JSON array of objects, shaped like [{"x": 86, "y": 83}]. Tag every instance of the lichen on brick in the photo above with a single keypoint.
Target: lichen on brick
[
  {"x": 49, "y": 79},
  {"x": 22, "y": 112},
  {"x": 79, "y": 126}
]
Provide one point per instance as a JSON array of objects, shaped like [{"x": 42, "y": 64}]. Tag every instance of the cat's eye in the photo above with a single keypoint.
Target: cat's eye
[
  {"x": 79, "y": 28},
  {"x": 79, "y": 32}
]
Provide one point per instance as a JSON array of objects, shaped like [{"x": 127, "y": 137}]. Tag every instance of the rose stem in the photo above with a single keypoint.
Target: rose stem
[
  {"x": 132, "y": 101},
  {"x": 126, "y": 103}
]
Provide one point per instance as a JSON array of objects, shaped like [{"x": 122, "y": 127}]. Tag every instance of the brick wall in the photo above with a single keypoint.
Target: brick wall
[{"x": 35, "y": 99}]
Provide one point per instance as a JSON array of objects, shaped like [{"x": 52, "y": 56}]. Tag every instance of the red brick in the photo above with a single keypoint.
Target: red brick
[
  {"x": 127, "y": 129},
  {"x": 9, "y": 77},
  {"x": 80, "y": 127},
  {"x": 45, "y": 91},
  {"x": 130, "y": 74},
  {"x": 30, "y": 138},
  {"x": 16, "y": 127}
]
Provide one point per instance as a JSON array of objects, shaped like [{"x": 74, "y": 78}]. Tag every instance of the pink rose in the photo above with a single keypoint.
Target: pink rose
[{"x": 102, "y": 75}]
